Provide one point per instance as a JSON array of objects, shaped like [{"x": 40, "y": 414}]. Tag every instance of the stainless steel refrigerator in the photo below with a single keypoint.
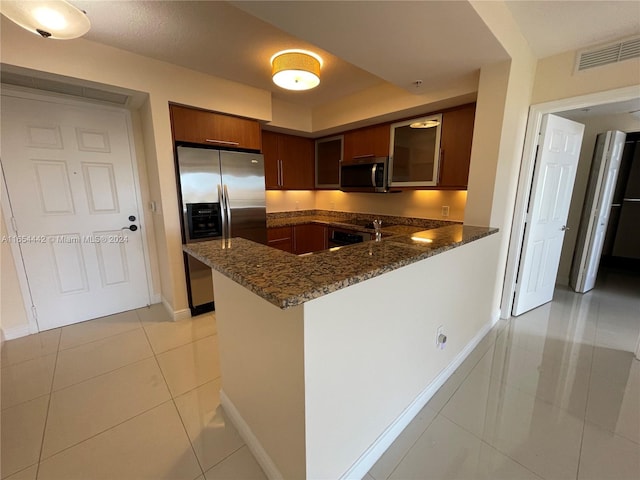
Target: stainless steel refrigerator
[{"x": 222, "y": 195}]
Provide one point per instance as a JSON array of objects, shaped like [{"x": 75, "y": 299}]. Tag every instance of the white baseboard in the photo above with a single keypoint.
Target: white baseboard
[
  {"x": 176, "y": 314},
  {"x": 368, "y": 459},
  {"x": 360, "y": 468},
  {"x": 16, "y": 332},
  {"x": 250, "y": 439}
]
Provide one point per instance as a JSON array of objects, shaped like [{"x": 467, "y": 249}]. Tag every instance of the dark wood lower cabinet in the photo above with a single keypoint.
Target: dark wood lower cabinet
[
  {"x": 299, "y": 239},
  {"x": 310, "y": 237},
  {"x": 281, "y": 238}
]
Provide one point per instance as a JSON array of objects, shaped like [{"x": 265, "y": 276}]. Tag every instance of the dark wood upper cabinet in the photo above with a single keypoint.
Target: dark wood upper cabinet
[
  {"x": 271, "y": 159},
  {"x": 214, "y": 129},
  {"x": 369, "y": 141},
  {"x": 455, "y": 144},
  {"x": 289, "y": 161}
]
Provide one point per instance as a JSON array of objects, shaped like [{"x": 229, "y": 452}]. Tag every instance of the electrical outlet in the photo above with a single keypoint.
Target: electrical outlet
[
  {"x": 441, "y": 338},
  {"x": 332, "y": 205},
  {"x": 297, "y": 205},
  {"x": 445, "y": 210}
]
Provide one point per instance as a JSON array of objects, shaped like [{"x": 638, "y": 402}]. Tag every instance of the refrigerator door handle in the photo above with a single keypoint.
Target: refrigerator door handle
[
  {"x": 223, "y": 213},
  {"x": 228, "y": 208}
]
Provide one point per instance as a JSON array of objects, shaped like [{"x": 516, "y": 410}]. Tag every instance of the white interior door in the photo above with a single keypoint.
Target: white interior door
[
  {"x": 597, "y": 207},
  {"x": 553, "y": 178},
  {"x": 71, "y": 185}
]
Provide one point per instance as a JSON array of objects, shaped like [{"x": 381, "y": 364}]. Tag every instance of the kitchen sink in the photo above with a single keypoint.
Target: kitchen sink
[{"x": 366, "y": 224}]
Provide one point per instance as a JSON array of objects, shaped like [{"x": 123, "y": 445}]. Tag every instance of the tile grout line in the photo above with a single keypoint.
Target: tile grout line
[
  {"x": 227, "y": 457},
  {"x": 406, "y": 453},
  {"x": 104, "y": 431},
  {"x": 97, "y": 339},
  {"x": 102, "y": 374},
  {"x": 586, "y": 403},
  {"x": 171, "y": 398},
  {"x": 492, "y": 344},
  {"x": 46, "y": 419},
  {"x": 174, "y": 402}
]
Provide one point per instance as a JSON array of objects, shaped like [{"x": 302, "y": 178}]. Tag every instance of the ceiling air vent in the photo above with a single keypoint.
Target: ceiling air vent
[{"x": 611, "y": 53}]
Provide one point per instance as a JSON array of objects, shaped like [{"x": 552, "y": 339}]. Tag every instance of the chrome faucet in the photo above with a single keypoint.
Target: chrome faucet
[{"x": 377, "y": 225}]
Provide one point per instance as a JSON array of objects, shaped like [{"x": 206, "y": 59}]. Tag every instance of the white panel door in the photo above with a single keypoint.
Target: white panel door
[
  {"x": 597, "y": 206},
  {"x": 71, "y": 185},
  {"x": 553, "y": 178}
]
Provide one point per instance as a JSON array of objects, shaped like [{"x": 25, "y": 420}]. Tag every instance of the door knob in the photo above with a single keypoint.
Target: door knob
[
  {"x": 133, "y": 228},
  {"x": 565, "y": 228}
]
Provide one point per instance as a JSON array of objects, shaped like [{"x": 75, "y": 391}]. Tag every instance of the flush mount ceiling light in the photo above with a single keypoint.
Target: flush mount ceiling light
[
  {"x": 425, "y": 124},
  {"x": 48, "y": 18},
  {"x": 296, "y": 69}
]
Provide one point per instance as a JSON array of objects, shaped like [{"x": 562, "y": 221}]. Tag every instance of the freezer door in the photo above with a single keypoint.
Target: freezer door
[
  {"x": 243, "y": 185},
  {"x": 199, "y": 179}
]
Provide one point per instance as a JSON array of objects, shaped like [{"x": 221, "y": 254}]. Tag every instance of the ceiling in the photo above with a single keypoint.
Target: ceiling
[
  {"x": 628, "y": 107},
  {"x": 363, "y": 43},
  {"x": 553, "y": 27}
]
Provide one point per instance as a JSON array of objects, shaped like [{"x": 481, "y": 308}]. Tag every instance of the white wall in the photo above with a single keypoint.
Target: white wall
[
  {"x": 314, "y": 387},
  {"x": 262, "y": 364},
  {"x": 370, "y": 348},
  {"x": 593, "y": 126}
]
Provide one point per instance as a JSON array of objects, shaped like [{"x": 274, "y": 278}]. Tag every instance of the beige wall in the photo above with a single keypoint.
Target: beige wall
[
  {"x": 388, "y": 102},
  {"x": 556, "y": 79},
  {"x": 88, "y": 61},
  {"x": 13, "y": 318},
  {"x": 416, "y": 203},
  {"x": 501, "y": 117},
  {"x": 593, "y": 126}
]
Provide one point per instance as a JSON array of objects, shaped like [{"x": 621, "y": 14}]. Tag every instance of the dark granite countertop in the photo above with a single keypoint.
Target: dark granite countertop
[
  {"x": 355, "y": 221},
  {"x": 286, "y": 280}
]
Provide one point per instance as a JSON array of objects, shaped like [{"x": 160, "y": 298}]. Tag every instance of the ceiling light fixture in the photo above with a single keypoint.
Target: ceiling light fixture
[
  {"x": 426, "y": 124},
  {"x": 296, "y": 69},
  {"x": 48, "y": 18}
]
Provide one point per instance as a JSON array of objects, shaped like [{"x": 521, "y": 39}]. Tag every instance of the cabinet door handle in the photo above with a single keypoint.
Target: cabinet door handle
[
  {"x": 440, "y": 162},
  {"x": 225, "y": 142},
  {"x": 364, "y": 156},
  {"x": 280, "y": 174}
]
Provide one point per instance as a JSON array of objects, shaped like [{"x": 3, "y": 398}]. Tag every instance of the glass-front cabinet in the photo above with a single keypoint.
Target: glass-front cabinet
[
  {"x": 415, "y": 152},
  {"x": 328, "y": 157}
]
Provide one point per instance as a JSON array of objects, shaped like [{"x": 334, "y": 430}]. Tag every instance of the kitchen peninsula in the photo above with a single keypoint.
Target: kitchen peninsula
[{"x": 326, "y": 357}]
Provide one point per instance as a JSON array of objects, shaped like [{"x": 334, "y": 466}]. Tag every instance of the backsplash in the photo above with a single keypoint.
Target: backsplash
[
  {"x": 368, "y": 217},
  {"x": 413, "y": 203}
]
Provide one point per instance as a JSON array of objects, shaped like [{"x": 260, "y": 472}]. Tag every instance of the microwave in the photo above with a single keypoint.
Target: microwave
[{"x": 365, "y": 174}]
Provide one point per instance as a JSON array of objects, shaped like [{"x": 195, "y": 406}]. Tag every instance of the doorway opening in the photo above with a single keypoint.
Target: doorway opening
[{"x": 614, "y": 102}]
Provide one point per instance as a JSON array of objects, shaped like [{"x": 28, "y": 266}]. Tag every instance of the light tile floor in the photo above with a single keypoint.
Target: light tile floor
[{"x": 552, "y": 394}]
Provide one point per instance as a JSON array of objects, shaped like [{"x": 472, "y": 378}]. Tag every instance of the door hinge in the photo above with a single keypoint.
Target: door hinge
[
  {"x": 34, "y": 311},
  {"x": 14, "y": 224}
]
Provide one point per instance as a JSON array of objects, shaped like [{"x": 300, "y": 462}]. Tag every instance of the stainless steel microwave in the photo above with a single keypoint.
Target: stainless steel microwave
[{"x": 365, "y": 174}]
